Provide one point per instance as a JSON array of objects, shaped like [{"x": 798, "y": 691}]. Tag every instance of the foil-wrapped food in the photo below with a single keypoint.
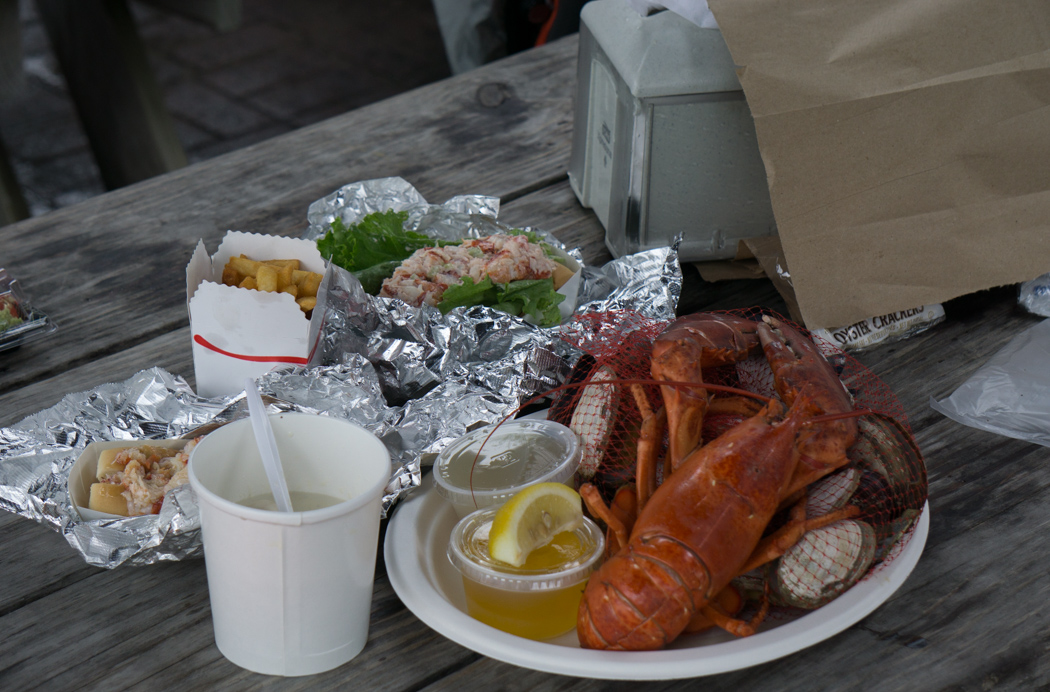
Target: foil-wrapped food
[{"x": 417, "y": 377}]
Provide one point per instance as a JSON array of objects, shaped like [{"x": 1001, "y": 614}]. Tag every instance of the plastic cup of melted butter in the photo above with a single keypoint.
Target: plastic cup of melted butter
[
  {"x": 487, "y": 466},
  {"x": 538, "y": 600}
]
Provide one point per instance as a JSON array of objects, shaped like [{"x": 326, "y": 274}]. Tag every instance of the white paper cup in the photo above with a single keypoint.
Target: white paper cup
[{"x": 291, "y": 592}]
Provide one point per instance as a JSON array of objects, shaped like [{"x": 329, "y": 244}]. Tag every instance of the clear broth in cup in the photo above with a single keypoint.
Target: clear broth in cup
[{"x": 301, "y": 501}]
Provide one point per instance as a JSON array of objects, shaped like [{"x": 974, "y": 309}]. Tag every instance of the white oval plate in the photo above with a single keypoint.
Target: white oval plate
[{"x": 428, "y": 584}]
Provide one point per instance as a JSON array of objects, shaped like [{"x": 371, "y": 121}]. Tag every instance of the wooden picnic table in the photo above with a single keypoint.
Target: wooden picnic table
[{"x": 110, "y": 271}]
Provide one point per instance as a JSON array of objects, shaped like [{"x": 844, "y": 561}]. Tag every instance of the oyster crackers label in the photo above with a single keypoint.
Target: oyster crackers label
[{"x": 890, "y": 327}]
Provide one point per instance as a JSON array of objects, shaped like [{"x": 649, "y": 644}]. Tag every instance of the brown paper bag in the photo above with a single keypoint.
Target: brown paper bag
[{"x": 906, "y": 143}]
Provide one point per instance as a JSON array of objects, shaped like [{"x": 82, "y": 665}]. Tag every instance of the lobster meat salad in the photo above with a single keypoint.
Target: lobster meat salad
[
  {"x": 134, "y": 480},
  {"x": 750, "y": 496},
  {"x": 429, "y": 272},
  {"x": 513, "y": 271}
]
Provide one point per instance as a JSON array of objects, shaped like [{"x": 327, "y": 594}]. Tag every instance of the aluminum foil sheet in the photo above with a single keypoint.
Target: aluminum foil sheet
[
  {"x": 416, "y": 349},
  {"x": 648, "y": 282},
  {"x": 466, "y": 216},
  {"x": 414, "y": 377},
  {"x": 37, "y": 454}
]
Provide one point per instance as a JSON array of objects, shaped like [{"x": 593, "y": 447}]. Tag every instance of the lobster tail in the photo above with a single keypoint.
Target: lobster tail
[{"x": 642, "y": 600}]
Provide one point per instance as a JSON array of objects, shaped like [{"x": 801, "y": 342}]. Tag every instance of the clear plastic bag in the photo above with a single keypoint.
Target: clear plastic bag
[
  {"x": 1010, "y": 394},
  {"x": 1034, "y": 295},
  {"x": 19, "y": 321}
]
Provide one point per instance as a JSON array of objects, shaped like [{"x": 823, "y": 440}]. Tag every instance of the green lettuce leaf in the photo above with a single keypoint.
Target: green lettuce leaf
[
  {"x": 532, "y": 297},
  {"x": 535, "y": 298},
  {"x": 374, "y": 247},
  {"x": 377, "y": 238},
  {"x": 467, "y": 293},
  {"x": 372, "y": 278}
]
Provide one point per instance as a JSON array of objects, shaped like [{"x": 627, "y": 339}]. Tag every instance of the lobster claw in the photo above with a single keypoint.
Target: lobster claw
[
  {"x": 680, "y": 354},
  {"x": 797, "y": 364}
]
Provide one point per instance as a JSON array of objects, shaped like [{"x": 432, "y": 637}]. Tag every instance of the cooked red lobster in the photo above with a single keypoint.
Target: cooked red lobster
[{"x": 704, "y": 525}]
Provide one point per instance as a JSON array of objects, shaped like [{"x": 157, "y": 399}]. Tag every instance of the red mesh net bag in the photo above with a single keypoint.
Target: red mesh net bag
[{"x": 885, "y": 479}]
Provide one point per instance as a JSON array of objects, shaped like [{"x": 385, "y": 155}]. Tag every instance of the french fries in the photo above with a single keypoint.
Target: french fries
[{"x": 274, "y": 276}]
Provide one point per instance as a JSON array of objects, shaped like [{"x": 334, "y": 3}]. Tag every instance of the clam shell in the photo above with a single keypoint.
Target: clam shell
[
  {"x": 891, "y": 537},
  {"x": 886, "y": 448},
  {"x": 831, "y": 492},
  {"x": 878, "y": 503},
  {"x": 824, "y": 564},
  {"x": 561, "y": 407},
  {"x": 593, "y": 418}
]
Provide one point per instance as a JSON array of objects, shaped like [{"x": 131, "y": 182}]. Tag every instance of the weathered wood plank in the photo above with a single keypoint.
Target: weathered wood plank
[
  {"x": 54, "y": 564},
  {"x": 122, "y": 255},
  {"x": 170, "y": 351},
  {"x": 150, "y": 627},
  {"x": 488, "y": 674},
  {"x": 221, "y": 15},
  {"x": 75, "y": 636}
]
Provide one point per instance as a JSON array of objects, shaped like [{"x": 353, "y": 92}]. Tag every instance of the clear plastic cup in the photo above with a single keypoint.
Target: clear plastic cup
[
  {"x": 291, "y": 592},
  {"x": 538, "y": 600},
  {"x": 512, "y": 455}
]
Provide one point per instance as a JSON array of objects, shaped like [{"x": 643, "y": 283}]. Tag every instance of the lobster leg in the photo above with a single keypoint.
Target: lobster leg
[
  {"x": 743, "y": 406},
  {"x": 782, "y": 540},
  {"x": 739, "y": 628},
  {"x": 727, "y": 603},
  {"x": 650, "y": 440},
  {"x": 618, "y": 518},
  {"x": 724, "y": 412},
  {"x": 620, "y": 515}
]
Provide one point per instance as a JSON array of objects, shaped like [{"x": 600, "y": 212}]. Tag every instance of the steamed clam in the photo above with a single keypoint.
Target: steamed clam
[
  {"x": 887, "y": 483},
  {"x": 825, "y": 563}
]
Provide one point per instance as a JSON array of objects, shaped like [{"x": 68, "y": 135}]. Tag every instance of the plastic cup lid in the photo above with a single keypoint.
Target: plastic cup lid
[
  {"x": 487, "y": 466},
  {"x": 468, "y": 551}
]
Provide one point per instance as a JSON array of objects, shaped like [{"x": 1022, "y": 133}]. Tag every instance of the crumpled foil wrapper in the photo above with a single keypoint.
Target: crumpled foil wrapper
[
  {"x": 415, "y": 378},
  {"x": 416, "y": 349}
]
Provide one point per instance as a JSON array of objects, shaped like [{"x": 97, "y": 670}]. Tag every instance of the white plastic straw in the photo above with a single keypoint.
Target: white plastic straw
[{"x": 267, "y": 447}]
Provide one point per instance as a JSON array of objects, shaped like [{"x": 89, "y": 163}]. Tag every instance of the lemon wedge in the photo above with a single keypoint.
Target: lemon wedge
[{"x": 531, "y": 518}]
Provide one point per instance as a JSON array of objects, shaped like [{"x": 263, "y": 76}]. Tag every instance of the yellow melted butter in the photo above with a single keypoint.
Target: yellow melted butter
[
  {"x": 539, "y": 614},
  {"x": 563, "y": 549}
]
